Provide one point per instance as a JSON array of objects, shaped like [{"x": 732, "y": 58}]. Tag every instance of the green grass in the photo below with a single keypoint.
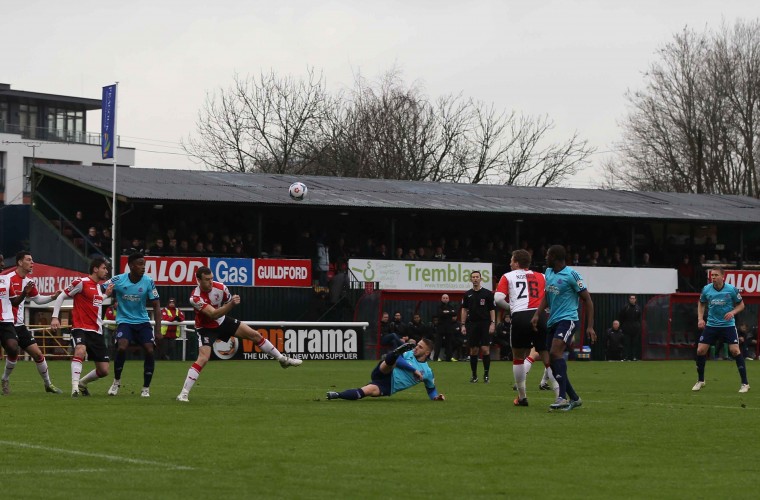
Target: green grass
[{"x": 252, "y": 429}]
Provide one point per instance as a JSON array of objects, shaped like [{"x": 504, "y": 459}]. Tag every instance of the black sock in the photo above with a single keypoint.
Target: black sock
[
  {"x": 701, "y": 360},
  {"x": 148, "y": 367},
  {"x": 118, "y": 363},
  {"x": 486, "y": 364},
  {"x": 351, "y": 394},
  {"x": 741, "y": 367},
  {"x": 474, "y": 364}
]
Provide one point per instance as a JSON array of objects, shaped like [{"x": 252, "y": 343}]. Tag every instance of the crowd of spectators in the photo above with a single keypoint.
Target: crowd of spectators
[{"x": 174, "y": 236}]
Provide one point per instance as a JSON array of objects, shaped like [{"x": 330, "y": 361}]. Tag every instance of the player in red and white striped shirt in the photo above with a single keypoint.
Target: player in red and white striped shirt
[
  {"x": 22, "y": 284},
  {"x": 524, "y": 289},
  {"x": 212, "y": 301},
  {"x": 8, "y": 337},
  {"x": 87, "y": 325}
]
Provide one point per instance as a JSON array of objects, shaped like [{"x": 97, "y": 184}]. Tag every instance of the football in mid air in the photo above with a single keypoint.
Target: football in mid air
[{"x": 297, "y": 191}]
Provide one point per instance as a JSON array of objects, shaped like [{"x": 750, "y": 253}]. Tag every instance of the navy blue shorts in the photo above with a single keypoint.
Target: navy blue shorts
[
  {"x": 141, "y": 333},
  {"x": 727, "y": 334},
  {"x": 562, "y": 330},
  {"x": 382, "y": 380}
]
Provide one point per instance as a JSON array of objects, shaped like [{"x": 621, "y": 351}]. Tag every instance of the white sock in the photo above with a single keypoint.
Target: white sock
[
  {"x": 42, "y": 367},
  {"x": 270, "y": 349},
  {"x": 527, "y": 365},
  {"x": 552, "y": 381},
  {"x": 76, "y": 372},
  {"x": 90, "y": 377},
  {"x": 192, "y": 375},
  {"x": 518, "y": 369},
  {"x": 9, "y": 366}
]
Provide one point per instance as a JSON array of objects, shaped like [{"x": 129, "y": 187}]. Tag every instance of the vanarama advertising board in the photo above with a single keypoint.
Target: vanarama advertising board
[
  {"x": 420, "y": 275},
  {"x": 302, "y": 341}
]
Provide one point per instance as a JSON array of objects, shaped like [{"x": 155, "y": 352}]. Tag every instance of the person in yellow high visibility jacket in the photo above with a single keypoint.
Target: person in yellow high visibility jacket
[{"x": 170, "y": 315}]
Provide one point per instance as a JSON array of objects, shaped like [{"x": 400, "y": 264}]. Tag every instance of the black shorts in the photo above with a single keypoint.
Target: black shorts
[
  {"x": 7, "y": 332},
  {"x": 477, "y": 333},
  {"x": 383, "y": 381},
  {"x": 521, "y": 332},
  {"x": 94, "y": 342},
  {"x": 25, "y": 337},
  {"x": 207, "y": 336}
]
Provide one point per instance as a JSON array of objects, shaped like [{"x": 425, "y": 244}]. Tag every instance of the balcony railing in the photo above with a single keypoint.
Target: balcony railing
[{"x": 53, "y": 135}]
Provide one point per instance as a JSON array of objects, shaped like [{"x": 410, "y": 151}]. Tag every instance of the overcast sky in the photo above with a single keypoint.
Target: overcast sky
[{"x": 570, "y": 60}]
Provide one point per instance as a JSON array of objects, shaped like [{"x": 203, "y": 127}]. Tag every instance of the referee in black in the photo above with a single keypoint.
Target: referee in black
[{"x": 478, "y": 323}]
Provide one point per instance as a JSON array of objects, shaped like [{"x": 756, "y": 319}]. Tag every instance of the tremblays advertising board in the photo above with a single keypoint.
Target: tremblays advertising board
[
  {"x": 625, "y": 280},
  {"x": 301, "y": 342},
  {"x": 180, "y": 271},
  {"x": 49, "y": 279},
  {"x": 421, "y": 275}
]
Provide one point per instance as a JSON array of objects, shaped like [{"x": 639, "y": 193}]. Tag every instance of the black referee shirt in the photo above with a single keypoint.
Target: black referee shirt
[{"x": 478, "y": 304}]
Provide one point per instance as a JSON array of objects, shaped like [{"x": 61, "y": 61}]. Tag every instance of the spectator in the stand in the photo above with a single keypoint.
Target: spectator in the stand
[
  {"x": 171, "y": 248},
  {"x": 79, "y": 223},
  {"x": 645, "y": 260},
  {"x": 368, "y": 251},
  {"x": 576, "y": 260},
  {"x": 237, "y": 250},
  {"x": 276, "y": 250},
  {"x": 106, "y": 221},
  {"x": 305, "y": 246},
  {"x": 447, "y": 324},
  {"x": 95, "y": 244},
  {"x": 209, "y": 248},
  {"x": 614, "y": 342},
  {"x": 421, "y": 255},
  {"x": 685, "y": 274},
  {"x": 322, "y": 260},
  {"x": 184, "y": 247},
  {"x": 106, "y": 240},
  {"x": 339, "y": 251},
  {"x": 489, "y": 254},
  {"x": 136, "y": 247},
  {"x": 453, "y": 251},
  {"x": 617, "y": 261},
  {"x": 416, "y": 329},
  {"x": 398, "y": 327},
  {"x": 630, "y": 320},
  {"x": 199, "y": 248},
  {"x": 387, "y": 335},
  {"x": 158, "y": 247},
  {"x": 438, "y": 254},
  {"x": 382, "y": 252},
  {"x": 747, "y": 341},
  {"x": 411, "y": 254},
  {"x": 399, "y": 255}
]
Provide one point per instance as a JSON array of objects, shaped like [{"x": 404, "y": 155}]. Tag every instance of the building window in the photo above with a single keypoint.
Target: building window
[
  {"x": 27, "y": 120},
  {"x": 3, "y": 116}
]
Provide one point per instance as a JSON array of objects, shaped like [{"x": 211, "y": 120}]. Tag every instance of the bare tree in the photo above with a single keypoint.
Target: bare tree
[
  {"x": 512, "y": 149},
  {"x": 261, "y": 124},
  {"x": 694, "y": 127},
  {"x": 383, "y": 129}
]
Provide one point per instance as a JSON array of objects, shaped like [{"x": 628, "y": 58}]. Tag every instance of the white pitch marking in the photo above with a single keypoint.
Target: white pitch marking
[{"x": 94, "y": 455}]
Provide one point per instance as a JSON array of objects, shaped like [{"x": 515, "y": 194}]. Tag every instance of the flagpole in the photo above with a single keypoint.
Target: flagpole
[
  {"x": 108, "y": 140},
  {"x": 113, "y": 198}
]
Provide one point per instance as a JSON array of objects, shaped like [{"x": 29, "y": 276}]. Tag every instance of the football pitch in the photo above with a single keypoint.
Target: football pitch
[{"x": 254, "y": 430}]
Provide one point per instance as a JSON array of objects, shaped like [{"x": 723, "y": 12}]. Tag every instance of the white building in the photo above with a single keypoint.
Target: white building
[{"x": 38, "y": 128}]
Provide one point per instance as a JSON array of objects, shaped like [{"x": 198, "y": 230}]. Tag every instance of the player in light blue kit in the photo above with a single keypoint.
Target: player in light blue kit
[
  {"x": 399, "y": 370},
  {"x": 564, "y": 286},
  {"x": 133, "y": 290},
  {"x": 723, "y": 303}
]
